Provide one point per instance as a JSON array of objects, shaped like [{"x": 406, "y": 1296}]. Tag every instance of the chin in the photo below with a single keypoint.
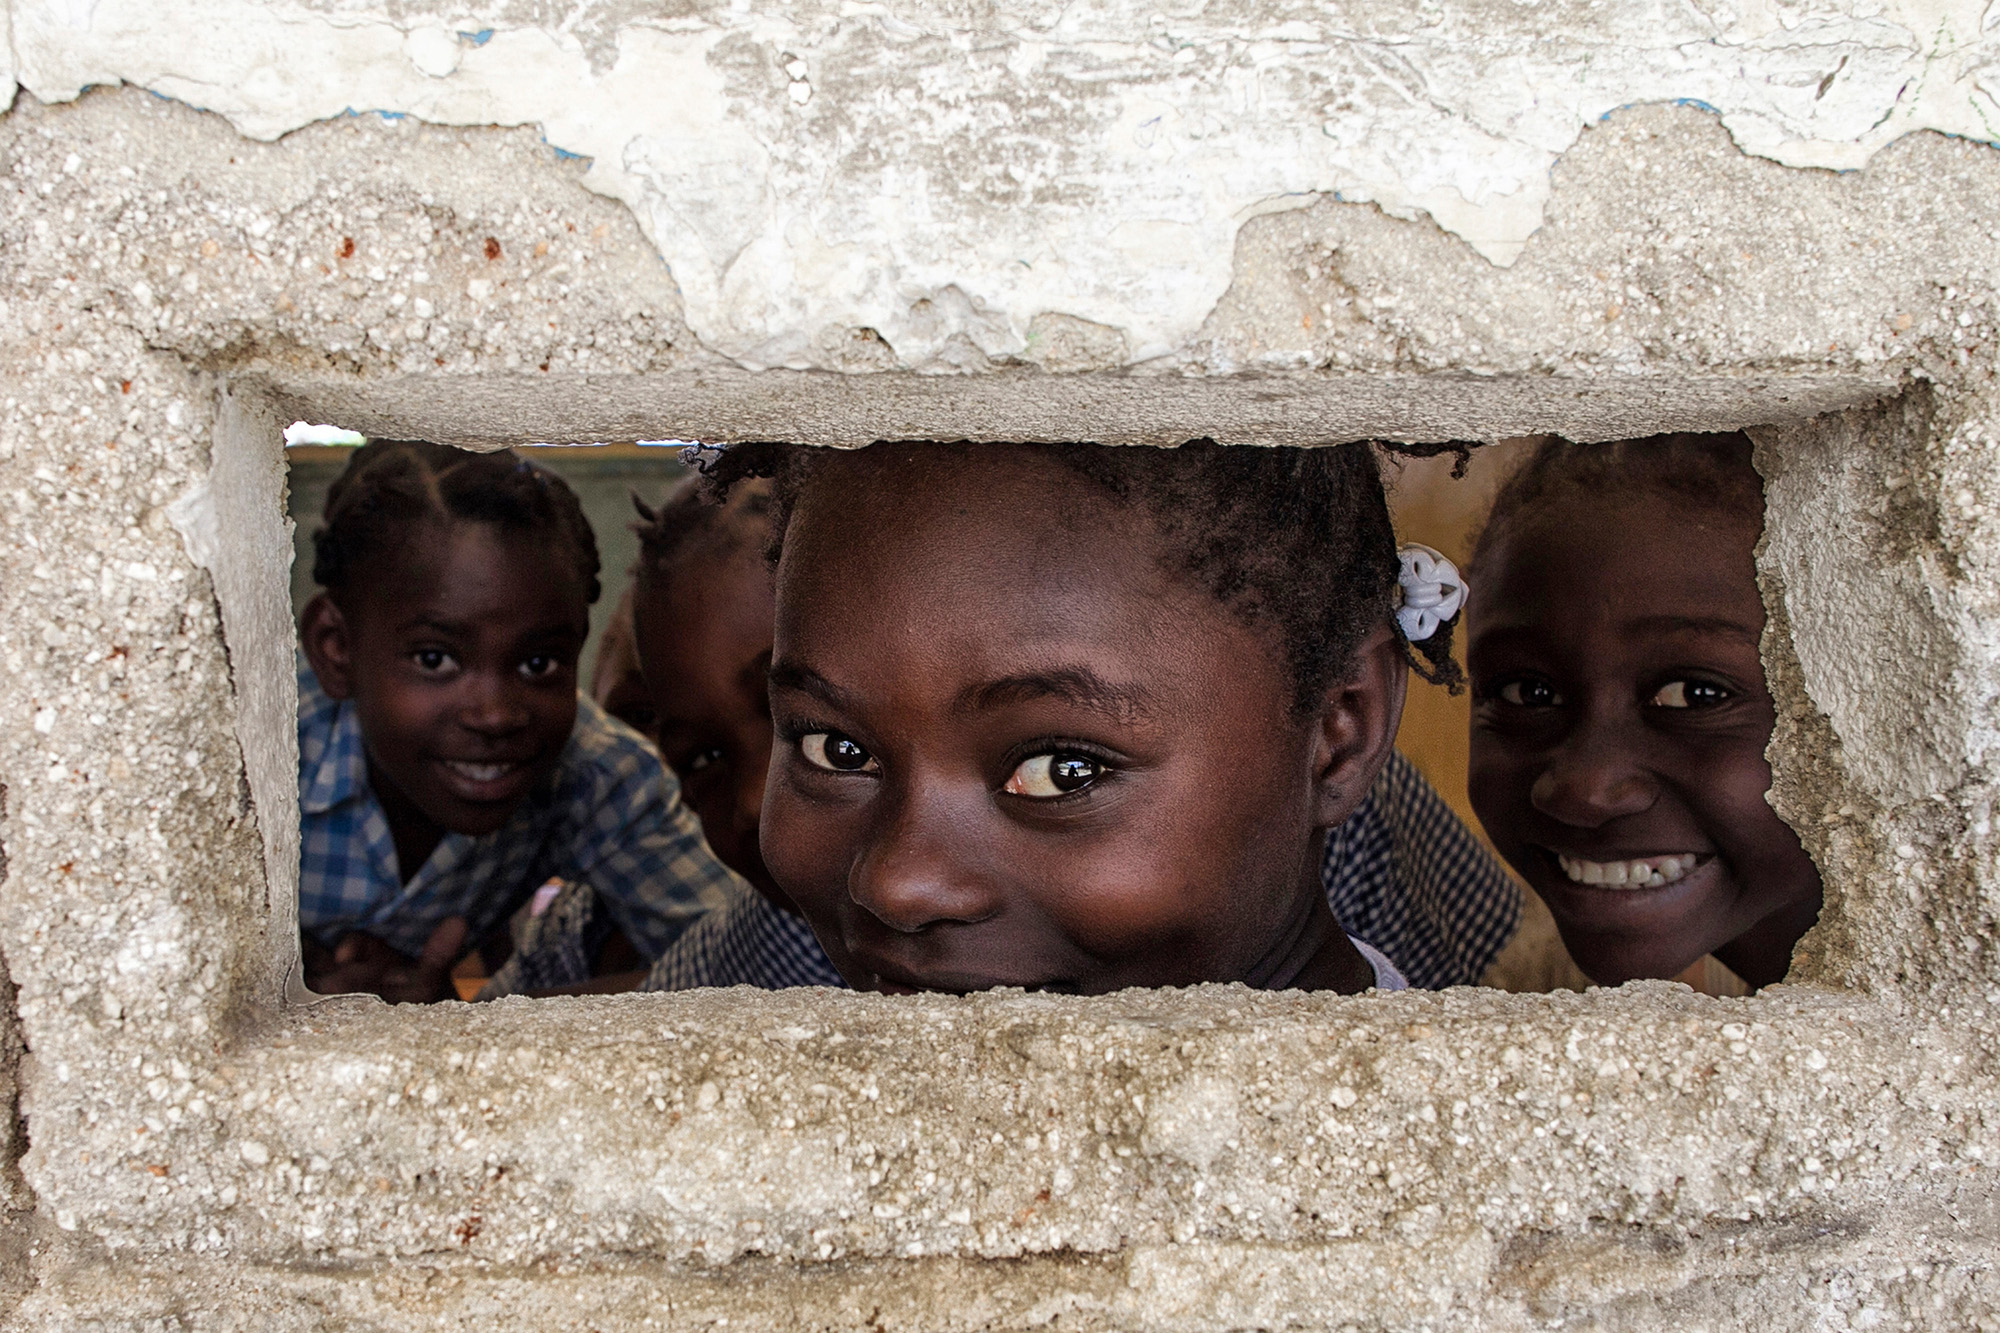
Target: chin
[
  {"x": 470, "y": 820},
  {"x": 1613, "y": 962}
]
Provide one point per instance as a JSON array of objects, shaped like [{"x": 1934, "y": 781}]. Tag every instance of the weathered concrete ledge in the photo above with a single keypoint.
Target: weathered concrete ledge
[{"x": 816, "y": 407}]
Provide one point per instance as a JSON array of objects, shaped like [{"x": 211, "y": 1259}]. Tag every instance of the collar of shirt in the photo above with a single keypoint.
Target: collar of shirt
[{"x": 341, "y": 771}]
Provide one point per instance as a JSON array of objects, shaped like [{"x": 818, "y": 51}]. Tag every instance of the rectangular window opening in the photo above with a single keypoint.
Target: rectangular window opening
[{"x": 1440, "y": 501}]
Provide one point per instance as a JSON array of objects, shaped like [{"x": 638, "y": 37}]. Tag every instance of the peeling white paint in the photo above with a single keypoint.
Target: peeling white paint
[{"x": 815, "y": 166}]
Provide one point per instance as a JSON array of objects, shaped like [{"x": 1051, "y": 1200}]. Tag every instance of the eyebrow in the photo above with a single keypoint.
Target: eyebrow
[
  {"x": 1075, "y": 685},
  {"x": 791, "y": 676},
  {"x": 1695, "y": 625}
]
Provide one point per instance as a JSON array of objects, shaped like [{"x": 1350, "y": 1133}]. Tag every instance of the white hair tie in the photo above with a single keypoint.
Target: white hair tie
[{"x": 1432, "y": 591}]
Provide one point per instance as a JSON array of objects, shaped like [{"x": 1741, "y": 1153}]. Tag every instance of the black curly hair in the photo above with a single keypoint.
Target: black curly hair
[
  {"x": 1294, "y": 539},
  {"x": 689, "y": 520},
  {"x": 391, "y": 486},
  {"x": 1711, "y": 469}
]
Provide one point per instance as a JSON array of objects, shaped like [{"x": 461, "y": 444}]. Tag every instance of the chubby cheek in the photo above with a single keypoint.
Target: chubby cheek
[
  {"x": 402, "y": 726},
  {"x": 806, "y": 847},
  {"x": 1769, "y": 862},
  {"x": 1197, "y": 894},
  {"x": 1499, "y": 783},
  {"x": 1129, "y": 903}
]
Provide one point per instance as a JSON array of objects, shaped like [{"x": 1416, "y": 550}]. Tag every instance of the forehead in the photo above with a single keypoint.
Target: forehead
[
  {"x": 469, "y": 570},
  {"x": 983, "y": 555},
  {"x": 1612, "y": 559}
]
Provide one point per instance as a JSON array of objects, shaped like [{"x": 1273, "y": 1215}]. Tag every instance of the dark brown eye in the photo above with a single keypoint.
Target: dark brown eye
[
  {"x": 1529, "y": 692},
  {"x": 1043, "y": 776},
  {"x": 1689, "y": 694},
  {"x": 837, "y": 753}
]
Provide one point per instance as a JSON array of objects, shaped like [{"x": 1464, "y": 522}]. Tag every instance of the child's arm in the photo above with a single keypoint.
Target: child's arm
[{"x": 363, "y": 964}]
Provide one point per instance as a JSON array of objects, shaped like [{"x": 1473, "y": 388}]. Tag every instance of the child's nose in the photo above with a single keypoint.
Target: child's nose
[
  {"x": 1591, "y": 781},
  {"x": 914, "y": 875},
  {"x": 494, "y": 705}
]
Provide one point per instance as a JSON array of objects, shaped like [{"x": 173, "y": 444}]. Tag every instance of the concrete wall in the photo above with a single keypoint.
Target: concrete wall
[{"x": 952, "y": 223}]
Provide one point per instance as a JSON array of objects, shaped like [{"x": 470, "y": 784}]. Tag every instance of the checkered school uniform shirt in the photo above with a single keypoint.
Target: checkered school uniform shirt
[
  {"x": 1426, "y": 903},
  {"x": 750, "y": 942},
  {"x": 1406, "y": 875},
  {"x": 609, "y": 816}
]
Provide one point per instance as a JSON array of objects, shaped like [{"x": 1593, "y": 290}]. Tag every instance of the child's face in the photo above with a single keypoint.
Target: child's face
[
  {"x": 1620, "y": 720},
  {"x": 704, "y": 635},
  {"x": 459, "y": 652},
  {"x": 1013, "y": 751},
  {"x": 617, "y": 683}
]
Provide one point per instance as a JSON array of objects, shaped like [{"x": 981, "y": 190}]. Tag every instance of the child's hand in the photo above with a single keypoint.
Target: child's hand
[{"x": 364, "y": 963}]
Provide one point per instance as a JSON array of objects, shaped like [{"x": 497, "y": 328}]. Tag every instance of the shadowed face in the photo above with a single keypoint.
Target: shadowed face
[
  {"x": 616, "y": 682},
  {"x": 459, "y": 652},
  {"x": 1012, "y": 750},
  {"x": 704, "y": 635},
  {"x": 1620, "y": 720}
]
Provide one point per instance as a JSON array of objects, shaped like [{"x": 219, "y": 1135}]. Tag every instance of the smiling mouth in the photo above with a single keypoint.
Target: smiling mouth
[
  {"x": 482, "y": 773},
  {"x": 1646, "y": 872}
]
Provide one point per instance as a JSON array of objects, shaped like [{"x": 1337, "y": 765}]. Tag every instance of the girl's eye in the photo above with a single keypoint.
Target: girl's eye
[
  {"x": 1055, "y": 774},
  {"x": 1689, "y": 694},
  {"x": 540, "y": 667},
  {"x": 837, "y": 753},
  {"x": 1530, "y": 693},
  {"x": 430, "y": 660},
  {"x": 712, "y": 755}
]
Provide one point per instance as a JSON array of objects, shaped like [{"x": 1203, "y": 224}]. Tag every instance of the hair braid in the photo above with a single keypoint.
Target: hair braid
[{"x": 390, "y": 487}]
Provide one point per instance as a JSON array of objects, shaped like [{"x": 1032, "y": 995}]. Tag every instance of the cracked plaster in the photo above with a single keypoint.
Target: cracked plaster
[
  {"x": 203, "y": 1150},
  {"x": 866, "y": 186}
]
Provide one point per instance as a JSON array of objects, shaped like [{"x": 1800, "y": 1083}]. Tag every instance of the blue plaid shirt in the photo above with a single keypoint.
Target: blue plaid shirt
[
  {"x": 610, "y": 816},
  {"x": 1406, "y": 875},
  {"x": 1421, "y": 897},
  {"x": 750, "y": 942}
]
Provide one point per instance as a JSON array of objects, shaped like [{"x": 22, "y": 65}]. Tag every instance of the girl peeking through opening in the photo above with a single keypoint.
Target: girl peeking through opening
[
  {"x": 1066, "y": 717},
  {"x": 1620, "y": 709},
  {"x": 447, "y": 766}
]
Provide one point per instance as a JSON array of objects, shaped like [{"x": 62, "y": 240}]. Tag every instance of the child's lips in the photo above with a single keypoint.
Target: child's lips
[{"x": 1640, "y": 872}]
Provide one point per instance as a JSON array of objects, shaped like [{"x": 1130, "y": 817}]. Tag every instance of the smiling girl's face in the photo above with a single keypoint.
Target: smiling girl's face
[
  {"x": 1620, "y": 720},
  {"x": 459, "y": 650},
  {"x": 1012, "y": 749}
]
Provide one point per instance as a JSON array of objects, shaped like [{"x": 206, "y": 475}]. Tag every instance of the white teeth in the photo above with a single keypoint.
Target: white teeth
[
  {"x": 480, "y": 772},
  {"x": 1651, "y": 872}
]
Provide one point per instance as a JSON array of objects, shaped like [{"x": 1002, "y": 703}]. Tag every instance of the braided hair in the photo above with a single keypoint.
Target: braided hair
[
  {"x": 1294, "y": 540},
  {"x": 1713, "y": 470},
  {"x": 391, "y": 486}
]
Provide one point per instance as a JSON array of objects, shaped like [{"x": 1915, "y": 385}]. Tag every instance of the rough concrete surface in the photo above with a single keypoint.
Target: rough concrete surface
[
  {"x": 852, "y": 186},
  {"x": 204, "y": 1151}
]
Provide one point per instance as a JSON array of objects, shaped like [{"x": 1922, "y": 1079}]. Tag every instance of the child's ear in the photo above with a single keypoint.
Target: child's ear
[
  {"x": 324, "y": 637},
  {"x": 1357, "y": 725}
]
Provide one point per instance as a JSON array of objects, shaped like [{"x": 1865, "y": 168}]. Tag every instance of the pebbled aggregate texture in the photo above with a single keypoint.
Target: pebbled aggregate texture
[{"x": 191, "y": 1150}]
